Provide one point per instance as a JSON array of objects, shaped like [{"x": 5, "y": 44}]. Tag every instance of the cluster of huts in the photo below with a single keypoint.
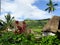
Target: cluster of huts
[{"x": 51, "y": 28}]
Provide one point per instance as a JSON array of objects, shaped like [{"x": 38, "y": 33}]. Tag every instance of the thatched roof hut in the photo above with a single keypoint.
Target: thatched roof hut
[
  {"x": 53, "y": 25},
  {"x": 18, "y": 23}
]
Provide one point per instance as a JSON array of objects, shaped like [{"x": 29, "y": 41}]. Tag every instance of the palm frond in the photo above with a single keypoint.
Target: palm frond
[
  {"x": 7, "y": 23},
  {"x": 50, "y": 2},
  {"x": 49, "y": 10},
  {"x": 51, "y": 6},
  {"x": 55, "y": 4},
  {"x": 54, "y": 9},
  {"x": 2, "y": 21},
  {"x": 47, "y": 4},
  {"x": 46, "y": 9}
]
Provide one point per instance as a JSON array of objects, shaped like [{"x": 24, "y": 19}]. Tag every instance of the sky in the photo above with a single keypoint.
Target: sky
[{"x": 27, "y": 9}]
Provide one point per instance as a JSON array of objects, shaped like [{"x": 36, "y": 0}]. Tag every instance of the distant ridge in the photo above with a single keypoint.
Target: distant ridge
[{"x": 38, "y": 20}]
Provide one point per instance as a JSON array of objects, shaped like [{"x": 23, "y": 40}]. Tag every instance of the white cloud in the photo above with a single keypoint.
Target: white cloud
[{"x": 22, "y": 9}]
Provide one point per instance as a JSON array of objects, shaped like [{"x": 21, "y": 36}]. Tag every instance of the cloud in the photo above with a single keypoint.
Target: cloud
[{"x": 22, "y": 9}]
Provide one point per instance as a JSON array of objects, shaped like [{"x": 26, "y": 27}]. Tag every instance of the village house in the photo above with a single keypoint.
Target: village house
[{"x": 52, "y": 27}]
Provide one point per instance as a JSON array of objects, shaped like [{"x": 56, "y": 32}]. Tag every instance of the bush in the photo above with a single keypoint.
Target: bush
[
  {"x": 50, "y": 40},
  {"x": 10, "y": 38}
]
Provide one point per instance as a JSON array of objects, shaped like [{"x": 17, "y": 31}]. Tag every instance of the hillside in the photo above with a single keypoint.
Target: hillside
[{"x": 36, "y": 25}]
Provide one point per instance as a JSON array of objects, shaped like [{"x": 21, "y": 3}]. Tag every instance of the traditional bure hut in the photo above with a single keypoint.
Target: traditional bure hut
[
  {"x": 17, "y": 24},
  {"x": 52, "y": 26}
]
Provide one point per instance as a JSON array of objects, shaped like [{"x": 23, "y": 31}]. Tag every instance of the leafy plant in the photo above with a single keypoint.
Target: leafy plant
[
  {"x": 9, "y": 38},
  {"x": 5, "y": 25},
  {"x": 21, "y": 39},
  {"x": 51, "y": 6},
  {"x": 50, "y": 40}
]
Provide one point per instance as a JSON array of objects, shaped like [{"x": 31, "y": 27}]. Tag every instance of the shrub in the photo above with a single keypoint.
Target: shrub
[
  {"x": 9, "y": 38},
  {"x": 50, "y": 40}
]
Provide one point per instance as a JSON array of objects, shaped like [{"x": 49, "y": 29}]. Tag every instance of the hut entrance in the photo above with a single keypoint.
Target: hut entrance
[{"x": 59, "y": 25}]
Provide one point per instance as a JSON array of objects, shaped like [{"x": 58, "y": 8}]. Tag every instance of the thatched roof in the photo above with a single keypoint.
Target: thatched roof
[
  {"x": 15, "y": 25},
  {"x": 20, "y": 23},
  {"x": 53, "y": 25}
]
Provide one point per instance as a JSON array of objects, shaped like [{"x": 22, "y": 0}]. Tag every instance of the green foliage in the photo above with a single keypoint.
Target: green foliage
[
  {"x": 10, "y": 38},
  {"x": 51, "y": 6},
  {"x": 50, "y": 40},
  {"x": 7, "y": 23},
  {"x": 36, "y": 25}
]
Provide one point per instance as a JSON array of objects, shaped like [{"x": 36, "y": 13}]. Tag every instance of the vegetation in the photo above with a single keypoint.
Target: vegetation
[
  {"x": 10, "y": 38},
  {"x": 36, "y": 25},
  {"x": 4, "y": 25},
  {"x": 51, "y": 6}
]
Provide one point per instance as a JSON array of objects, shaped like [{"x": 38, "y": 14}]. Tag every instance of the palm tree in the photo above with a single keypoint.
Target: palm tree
[
  {"x": 6, "y": 24},
  {"x": 51, "y": 6}
]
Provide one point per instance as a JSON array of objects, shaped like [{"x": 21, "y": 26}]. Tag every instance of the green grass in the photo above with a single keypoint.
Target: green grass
[{"x": 36, "y": 25}]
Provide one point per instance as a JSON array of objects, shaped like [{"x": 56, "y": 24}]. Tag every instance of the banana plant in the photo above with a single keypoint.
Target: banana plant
[{"x": 7, "y": 23}]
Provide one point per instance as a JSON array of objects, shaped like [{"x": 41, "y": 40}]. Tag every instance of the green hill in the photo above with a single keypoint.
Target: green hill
[{"x": 36, "y": 25}]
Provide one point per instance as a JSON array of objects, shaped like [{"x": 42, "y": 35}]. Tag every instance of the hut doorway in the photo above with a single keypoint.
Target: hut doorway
[{"x": 59, "y": 25}]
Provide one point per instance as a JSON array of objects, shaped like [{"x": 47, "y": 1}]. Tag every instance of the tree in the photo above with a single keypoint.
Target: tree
[
  {"x": 51, "y": 6},
  {"x": 5, "y": 25}
]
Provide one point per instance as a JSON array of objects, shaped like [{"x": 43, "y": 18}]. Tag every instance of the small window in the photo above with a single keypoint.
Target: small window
[{"x": 59, "y": 25}]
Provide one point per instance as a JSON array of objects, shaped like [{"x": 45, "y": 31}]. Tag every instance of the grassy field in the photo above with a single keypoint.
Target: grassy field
[{"x": 36, "y": 25}]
